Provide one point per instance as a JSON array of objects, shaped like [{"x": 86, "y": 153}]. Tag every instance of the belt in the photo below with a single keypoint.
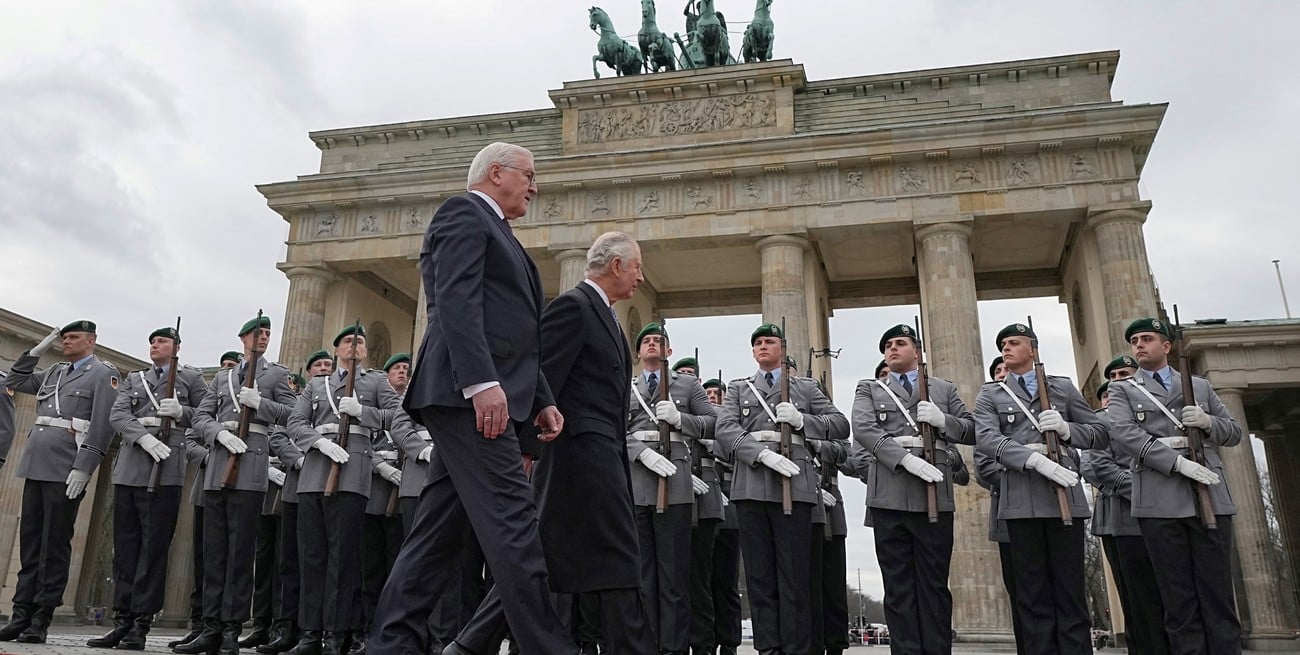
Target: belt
[
  {"x": 1173, "y": 442},
  {"x": 252, "y": 427},
  {"x": 333, "y": 428},
  {"x": 706, "y": 462},
  {"x": 273, "y": 461},
  {"x": 772, "y": 436},
  {"x": 150, "y": 421},
  {"x": 77, "y": 426},
  {"x": 1040, "y": 448},
  {"x": 653, "y": 435}
]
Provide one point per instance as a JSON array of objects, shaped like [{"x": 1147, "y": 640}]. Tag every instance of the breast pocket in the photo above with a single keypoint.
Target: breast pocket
[{"x": 75, "y": 402}]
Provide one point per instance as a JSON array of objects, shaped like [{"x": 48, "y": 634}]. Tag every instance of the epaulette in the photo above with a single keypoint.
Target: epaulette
[
  {"x": 278, "y": 365},
  {"x": 191, "y": 368},
  {"x": 991, "y": 382},
  {"x": 687, "y": 375},
  {"x": 1121, "y": 379},
  {"x": 738, "y": 381},
  {"x": 109, "y": 365}
]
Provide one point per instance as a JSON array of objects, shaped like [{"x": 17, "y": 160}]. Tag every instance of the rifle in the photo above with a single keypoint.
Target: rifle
[
  {"x": 231, "y": 475},
  {"x": 1052, "y": 440},
  {"x": 1195, "y": 436},
  {"x": 927, "y": 430},
  {"x": 697, "y": 453},
  {"x": 393, "y": 495},
  {"x": 165, "y": 427},
  {"x": 345, "y": 420},
  {"x": 787, "y": 449},
  {"x": 665, "y": 430}
]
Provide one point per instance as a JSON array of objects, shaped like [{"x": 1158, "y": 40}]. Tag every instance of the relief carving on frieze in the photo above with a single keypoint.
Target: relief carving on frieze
[{"x": 717, "y": 114}]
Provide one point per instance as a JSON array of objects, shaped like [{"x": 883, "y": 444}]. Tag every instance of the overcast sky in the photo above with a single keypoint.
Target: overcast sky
[{"x": 132, "y": 135}]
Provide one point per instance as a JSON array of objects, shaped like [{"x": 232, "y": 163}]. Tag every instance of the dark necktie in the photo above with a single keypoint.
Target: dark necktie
[
  {"x": 652, "y": 384},
  {"x": 1021, "y": 380},
  {"x": 159, "y": 372},
  {"x": 907, "y": 384},
  {"x": 768, "y": 376},
  {"x": 1160, "y": 381},
  {"x": 614, "y": 315}
]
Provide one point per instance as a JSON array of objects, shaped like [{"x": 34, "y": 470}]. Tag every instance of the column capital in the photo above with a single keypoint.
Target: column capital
[
  {"x": 781, "y": 240},
  {"x": 1234, "y": 392},
  {"x": 961, "y": 228},
  {"x": 1127, "y": 213},
  {"x": 317, "y": 269},
  {"x": 575, "y": 253}
]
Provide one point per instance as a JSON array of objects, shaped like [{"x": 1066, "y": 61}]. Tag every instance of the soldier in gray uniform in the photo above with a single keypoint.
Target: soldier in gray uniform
[
  {"x": 710, "y": 511},
  {"x": 144, "y": 519},
  {"x": 914, "y": 553},
  {"x": 1148, "y": 415},
  {"x": 329, "y": 526},
  {"x": 988, "y": 474},
  {"x": 230, "y": 513},
  {"x": 831, "y": 459},
  {"x": 74, "y": 405},
  {"x": 725, "y": 569},
  {"x": 1047, "y": 555},
  {"x": 665, "y": 538},
  {"x": 775, "y": 546}
]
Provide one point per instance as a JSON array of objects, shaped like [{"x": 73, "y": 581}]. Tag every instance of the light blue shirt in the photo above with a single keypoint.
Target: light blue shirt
[
  {"x": 1166, "y": 374},
  {"x": 776, "y": 375},
  {"x": 910, "y": 375},
  {"x": 77, "y": 364},
  {"x": 1030, "y": 378}
]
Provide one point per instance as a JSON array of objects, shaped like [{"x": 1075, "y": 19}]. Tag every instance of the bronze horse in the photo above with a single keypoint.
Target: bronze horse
[
  {"x": 656, "y": 47},
  {"x": 759, "y": 35},
  {"x": 618, "y": 54}
]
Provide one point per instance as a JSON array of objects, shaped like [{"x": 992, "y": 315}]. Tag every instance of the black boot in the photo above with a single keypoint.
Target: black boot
[
  {"x": 333, "y": 643},
  {"x": 358, "y": 645},
  {"x": 35, "y": 633},
  {"x": 18, "y": 621},
  {"x": 260, "y": 635},
  {"x": 207, "y": 642},
  {"x": 230, "y": 638},
  {"x": 196, "y": 629},
  {"x": 135, "y": 639},
  {"x": 287, "y": 639},
  {"x": 726, "y": 650},
  {"x": 121, "y": 625},
  {"x": 308, "y": 644}
]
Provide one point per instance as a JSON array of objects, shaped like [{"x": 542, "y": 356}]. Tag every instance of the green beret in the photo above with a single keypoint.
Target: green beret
[
  {"x": 254, "y": 323},
  {"x": 298, "y": 380},
  {"x": 78, "y": 326},
  {"x": 1015, "y": 330},
  {"x": 900, "y": 330},
  {"x": 714, "y": 383},
  {"x": 357, "y": 328},
  {"x": 397, "y": 359},
  {"x": 1123, "y": 361},
  {"x": 316, "y": 356},
  {"x": 1101, "y": 391},
  {"x": 766, "y": 330},
  {"x": 231, "y": 356},
  {"x": 686, "y": 362},
  {"x": 168, "y": 332},
  {"x": 993, "y": 368},
  {"x": 1147, "y": 325},
  {"x": 882, "y": 364},
  {"x": 650, "y": 328}
]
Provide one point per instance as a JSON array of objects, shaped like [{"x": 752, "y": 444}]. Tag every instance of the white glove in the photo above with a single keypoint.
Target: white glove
[
  {"x": 1195, "y": 417},
  {"x": 250, "y": 397},
  {"x": 275, "y": 475},
  {"x": 778, "y": 463},
  {"x": 331, "y": 450},
  {"x": 231, "y": 442},
  {"x": 77, "y": 483},
  {"x": 1189, "y": 469},
  {"x": 725, "y": 501},
  {"x": 788, "y": 414},
  {"x": 153, "y": 447},
  {"x": 828, "y": 498},
  {"x": 666, "y": 410},
  {"x": 350, "y": 405},
  {"x": 700, "y": 487},
  {"x": 390, "y": 473},
  {"x": 297, "y": 463},
  {"x": 1054, "y": 472},
  {"x": 171, "y": 408},
  {"x": 658, "y": 464},
  {"x": 425, "y": 454},
  {"x": 928, "y": 412},
  {"x": 1050, "y": 420},
  {"x": 44, "y": 345},
  {"x": 424, "y": 434},
  {"x": 920, "y": 468}
]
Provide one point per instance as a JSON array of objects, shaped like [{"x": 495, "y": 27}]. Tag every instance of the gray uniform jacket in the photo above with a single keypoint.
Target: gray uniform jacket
[
  {"x": 742, "y": 415},
  {"x": 877, "y": 420},
  {"x": 988, "y": 474},
  {"x": 221, "y": 408},
  {"x": 414, "y": 472},
  {"x": 1002, "y": 432},
  {"x": 381, "y": 409},
  {"x": 697, "y": 423},
  {"x": 6, "y": 419},
  {"x": 1159, "y": 492},
  {"x": 385, "y": 451},
  {"x": 196, "y": 455},
  {"x": 708, "y": 505},
  {"x": 135, "y": 401},
  {"x": 85, "y": 396},
  {"x": 832, "y": 456},
  {"x": 1110, "y": 470},
  {"x": 286, "y": 457}
]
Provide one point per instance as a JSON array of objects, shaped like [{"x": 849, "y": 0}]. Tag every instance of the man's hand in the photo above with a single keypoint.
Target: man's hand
[
  {"x": 275, "y": 475},
  {"x": 230, "y": 442},
  {"x": 921, "y": 468},
  {"x": 1050, "y": 420},
  {"x": 390, "y": 473},
  {"x": 491, "y": 412},
  {"x": 350, "y": 405},
  {"x": 171, "y": 408},
  {"x": 1189, "y": 469},
  {"x": 700, "y": 487},
  {"x": 250, "y": 397},
  {"x": 658, "y": 464},
  {"x": 928, "y": 412},
  {"x": 789, "y": 414},
  {"x": 549, "y": 423},
  {"x": 77, "y": 483},
  {"x": 778, "y": 463},
  {"x": 331, "y": 450},
  {"x": 40, "y": 348},
  {"x": 153, "y": 447},
  {"x": 1054, "y": 472},
  {"x": 528, "y": 466},
  {"x": 828, "y": 498},
  {"x": 1195, "y": 417},
  {"x": 666, "y": 410}
]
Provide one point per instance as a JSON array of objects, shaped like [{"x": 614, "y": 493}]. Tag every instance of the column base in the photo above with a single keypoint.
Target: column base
[
  {"x": 1273, "y": 641},
  {"x": 969, "y": 637}
]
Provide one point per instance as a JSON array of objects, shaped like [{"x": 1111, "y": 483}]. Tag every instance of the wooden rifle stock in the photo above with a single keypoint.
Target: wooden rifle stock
[
  {"x": 665, "y": 436},
  {"x": 1195, "y": 436},
  {"x": 345, "y": 420},
  {"x": 787, "y": 447},
  {"x": 165, "y": 426},
  {"x": 1052, "y": 440},
  {"x": 231, "y": 475},
  {"x": 927, "y": 430},
  {"x": 395, "y": 494}
]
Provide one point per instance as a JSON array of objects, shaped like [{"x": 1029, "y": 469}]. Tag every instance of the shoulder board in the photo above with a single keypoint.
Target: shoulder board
[
  {"x": 738, "y": 381},
  {"x": 278, "y": 365},
  {"x": 688, "y": 376},
  {"x": 1058, "y": 377},
  {"x": 108, "y": 365},
  {"x": 993, "y": 382},
  {"x": 141, "y": 370},
  {"x": 1121, "y": 379}
]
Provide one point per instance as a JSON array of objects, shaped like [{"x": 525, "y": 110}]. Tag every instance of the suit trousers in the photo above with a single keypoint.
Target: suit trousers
[
  {"x": 622, "y": 615},
  {"x": 726, "y": 588},
  {"x": 45, "y": 542},
  {"x": 835, "y": 593},
  {"x": 329, "y": 557},
  {"x": 704, "y": 539},
  {"x": 1193, "y": 571},
  {"x": 1122, "y": 590},
  {"x": 143, "y": 524},
  {"x": 444, "y": 620},
  {"x": 816, "y": 629},
  {"x": 196, "y": 566},
  {"x": 229, "y": 537},
  {"x": 381, "y": 537},
  {"x": 290, "y": 569},
  {"x": 914, "y": 557},
  {"x": 265, "y": 571},
  {"x": 473, "y": 582},
  {"x": 1009, "y": 582},
  {"x": 776, "y": 552},
  {"x": 1048, "y": 561},
  {"x": 1146, "y": 633},
  {"x": 478, "y": 482},
  {"x": 665, "y": 541}
]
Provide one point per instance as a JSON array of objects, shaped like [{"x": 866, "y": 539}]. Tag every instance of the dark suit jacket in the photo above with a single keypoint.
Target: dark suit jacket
[
  {"x": 484, "y": 299},
  {"x": 584, "y": 490}
]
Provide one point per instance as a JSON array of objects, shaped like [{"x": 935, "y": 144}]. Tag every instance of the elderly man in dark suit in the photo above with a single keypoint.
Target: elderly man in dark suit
[{"x": 477, "y": 382}]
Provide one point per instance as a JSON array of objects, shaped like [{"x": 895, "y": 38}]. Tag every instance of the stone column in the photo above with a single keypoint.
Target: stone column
[
  {"x": 1269, "y": 623},
  {"x": 180, "y": 560},
  {"x": 785, "y": 290},
  {"x": 1283, "y": 455},
  {"x": 304, "y": 314},
  {"x": 1125, "y": 271},
  {"x": 421, "y": 322},
  {"x": 573, "y": 268},
  {"x": 946, "y": 274}
]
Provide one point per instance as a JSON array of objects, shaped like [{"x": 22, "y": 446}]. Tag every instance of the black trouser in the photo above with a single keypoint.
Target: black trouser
[
  {"x": 409, "y": 507},
  {"x": 816, "y": 629},
  {"x": 1048, "y": 561},
  {"x": 229, "y": 537},
  {"x": 329, "y": 557},
  {"x": 45, "y": 542},
  {"x": 143, "y": 525},
  {"x": 665, "y": 541},
  {"x": 704, "y": 537},
  {"x": 835, "y": 592},
  {"x": 265, "y": 571},
  {"x": 290, "y": 568},
  {"x": 622, "y": 615},
  {"x": 1009, "y": 581},
  {"x": 196, "y": 563},
  {"x": 1147, "y": 631},
  {"x": 1193, "y": 571},
  {"x": 914, "y": 557},
  {"x": 776, "y": 551},
  {"x": 473, "y": 580},
  {"x": 586, "y": 623},
  {"x": 726, "y": 588},
  {"x": 381, "y": 537},
  {"x": 1121, "y": 590}
]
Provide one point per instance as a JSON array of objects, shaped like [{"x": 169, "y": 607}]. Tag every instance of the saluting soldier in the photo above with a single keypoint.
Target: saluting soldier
[
  {"x": 74, "y": 405},
  {"x": 144, "y": 519},
  {"x": 1149, "y": 417},
  {"x": 230, "y": 511},
  {"x": 914, "y": 553},
  {"x": 1047, "y": 554},
  {"x": 725, "y": 569},
  {"x": 329, "y": 525},
  {"x": 775, "y": 546}
]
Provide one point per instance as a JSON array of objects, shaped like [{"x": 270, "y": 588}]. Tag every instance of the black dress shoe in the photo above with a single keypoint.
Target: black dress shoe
[
  {"x": 207, "y": 642},
  {"x": 260, "y": 635},
  {"x": 135, "y": 638},
  {"x": 456, "y": 649},
  {"x": 287, "y": 639},
  {"x": 196, "y": 629},
  {"x": 122, "y": 622},
  {"x": 40, "y": 625}
]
